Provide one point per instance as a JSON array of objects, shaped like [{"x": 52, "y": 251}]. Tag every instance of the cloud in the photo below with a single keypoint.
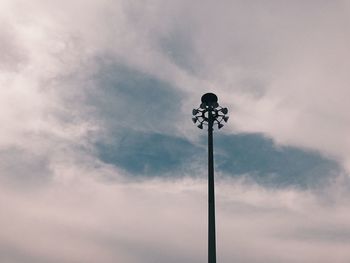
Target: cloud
[
  {"x": 83, "y": 220},
  {"x": 23, "y": 168},
  {"x": 281, "y": 67},
  {"x": 88, "y": 86},
  {"x": 265, "y": 64}
]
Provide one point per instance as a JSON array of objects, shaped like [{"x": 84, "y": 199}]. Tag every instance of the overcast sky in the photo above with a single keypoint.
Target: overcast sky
[{"x": 99, "y": 159}]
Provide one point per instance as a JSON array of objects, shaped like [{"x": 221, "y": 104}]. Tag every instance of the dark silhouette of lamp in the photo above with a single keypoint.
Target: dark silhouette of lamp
[{"x": 210, "y": 114}]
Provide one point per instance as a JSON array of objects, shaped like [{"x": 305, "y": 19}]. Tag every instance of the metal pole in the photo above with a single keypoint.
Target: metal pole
[
  {"x": 210, "y": 113},
  {"x": 211, "y": 193}
]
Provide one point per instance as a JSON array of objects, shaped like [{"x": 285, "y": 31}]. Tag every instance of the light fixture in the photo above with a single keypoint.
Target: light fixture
[
  {"x": 224, "y": 110},
  {"x": 210, "y": 113}
]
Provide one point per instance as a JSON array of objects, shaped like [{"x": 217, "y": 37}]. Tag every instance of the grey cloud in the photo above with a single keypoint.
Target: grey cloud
[
  {"x": 13, "y": 254},
  {"x": 178, "y": 45},
  {"x": 326, "y": 233},
  {"x": 281, "y": 65},
  {"x": 158, "y": 220},
  {"x": 287, "y": 54},
  {"x": 24, "y": 168},
  {"x": 12, "y": 53}
]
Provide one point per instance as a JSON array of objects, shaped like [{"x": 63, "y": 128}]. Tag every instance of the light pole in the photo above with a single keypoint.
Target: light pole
[{"x": 210, "y": 113}]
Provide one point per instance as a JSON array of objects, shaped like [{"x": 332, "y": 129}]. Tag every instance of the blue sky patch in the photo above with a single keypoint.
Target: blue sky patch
[
  {"x": 266, "y": 163},
  {"x": 250, "y": 155},
  {"x": 129, "y": 98},
  {"x": 149, "y": 154},
  {"x": 139, "y": 112}
]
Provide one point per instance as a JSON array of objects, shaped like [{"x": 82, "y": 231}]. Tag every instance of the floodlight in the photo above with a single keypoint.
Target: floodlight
[
  {"x": 210, "y": 113},
  {"x": 224, "y": 110}
]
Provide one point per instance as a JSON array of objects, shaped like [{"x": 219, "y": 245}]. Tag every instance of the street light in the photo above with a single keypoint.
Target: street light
[{"x": 210, "y": 113}]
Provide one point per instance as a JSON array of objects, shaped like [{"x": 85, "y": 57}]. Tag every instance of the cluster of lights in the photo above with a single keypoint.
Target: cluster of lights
[{"x": 201, "y": 115}]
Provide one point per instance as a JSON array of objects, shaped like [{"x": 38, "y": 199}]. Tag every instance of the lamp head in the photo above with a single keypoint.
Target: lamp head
[
  {"x": 224, "y": 110},
  {"x": 209, "y": 112},
  {"x": 210, "y": 100}
]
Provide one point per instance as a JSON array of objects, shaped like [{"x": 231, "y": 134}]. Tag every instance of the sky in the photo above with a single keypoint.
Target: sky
[{"x": 100, "y": 161}]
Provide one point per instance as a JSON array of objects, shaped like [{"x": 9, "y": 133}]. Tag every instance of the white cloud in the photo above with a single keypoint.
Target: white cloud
[
  {"x": 280, "y": 68},
  {"x": 83, "y": 220}
]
